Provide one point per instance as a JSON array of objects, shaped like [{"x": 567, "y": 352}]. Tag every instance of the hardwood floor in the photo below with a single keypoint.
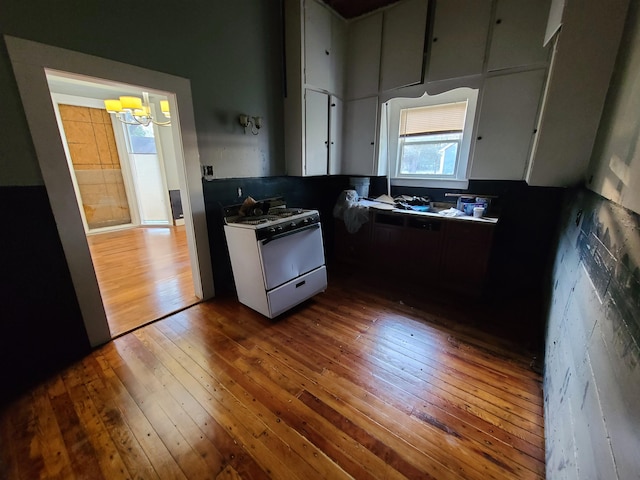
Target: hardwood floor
[
  {"x": 143, "y": 273},
  {"x": 352, "y": 384}
]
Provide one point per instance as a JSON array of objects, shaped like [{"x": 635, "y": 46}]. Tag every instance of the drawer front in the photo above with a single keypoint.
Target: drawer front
[{"x": 297, "y": 291}]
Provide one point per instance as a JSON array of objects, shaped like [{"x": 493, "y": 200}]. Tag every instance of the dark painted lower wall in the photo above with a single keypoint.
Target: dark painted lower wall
[
  {"x": 40, "y": 321},
  {"x": 592, "y": 363}
]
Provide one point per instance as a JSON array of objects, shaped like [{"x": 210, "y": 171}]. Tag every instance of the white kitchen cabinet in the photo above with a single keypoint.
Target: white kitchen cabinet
[
  {"x": 363, "y": 56},
  {"x": 581, "y": 68},
  {"x": 315, "y": 51},
  {"x": 317, "y": 45},
  {"x": 403, "y": 34},
  {"x": 335, "y": 135},
  {"x": 518, "y": 34},
  {"x": 554, "y": 21},
  {"x": 506, "y": 125},
  {"x": 324, "y": 48},
  {"x": 459, "y": 39},
  {"x": 316, "y": 130},
  {"x": 338, "y": 56},
  {"x": 360, "y": 129}
]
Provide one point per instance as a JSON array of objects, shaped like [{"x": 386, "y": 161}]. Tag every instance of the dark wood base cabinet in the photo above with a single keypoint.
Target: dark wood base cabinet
[{"x": 436, "y": 252}]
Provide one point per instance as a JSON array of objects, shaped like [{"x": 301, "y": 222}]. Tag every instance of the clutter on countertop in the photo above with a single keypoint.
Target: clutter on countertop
[
  {"x": 419, "y": 204},
  {"x": 353, "y": 209}
]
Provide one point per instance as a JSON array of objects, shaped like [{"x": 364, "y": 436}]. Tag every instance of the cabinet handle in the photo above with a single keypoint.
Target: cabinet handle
[
  {"x": 333, "y": 104},
  {"x": 327, "y": 52},
  {"x": 372, "y": 143},
  {"x": 435, "y": 39},
  {"x": 479, "y": 138},
  {"x": 499, "y": 21}
]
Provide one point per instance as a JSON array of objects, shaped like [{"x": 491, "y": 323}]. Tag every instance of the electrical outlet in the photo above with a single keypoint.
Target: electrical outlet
[
  {"x": 207, "y": 172},
  {"x": 239, "y": 191}
]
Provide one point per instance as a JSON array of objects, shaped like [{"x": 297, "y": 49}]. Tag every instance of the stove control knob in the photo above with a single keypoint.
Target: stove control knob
[
  {"x": 279, "y": 228},
  {"x": 293, "y": 225},
  {"x": 272, "y": 230},
  {"x": 305, "y": 221}
]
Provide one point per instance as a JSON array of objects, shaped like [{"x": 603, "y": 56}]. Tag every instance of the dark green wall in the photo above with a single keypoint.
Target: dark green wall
[{"x": 230, "y": 50}]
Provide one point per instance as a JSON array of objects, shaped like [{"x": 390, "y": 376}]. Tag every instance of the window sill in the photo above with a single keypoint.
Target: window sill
[{"x": 431, "y": 183}]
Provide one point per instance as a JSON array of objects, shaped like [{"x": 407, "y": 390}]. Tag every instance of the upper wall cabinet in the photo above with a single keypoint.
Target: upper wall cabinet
[
  {"x": 506, "y": 125},
  {"x": 315, "y": 49},
  {"x": 403, "y": 35},
  {"x": 363, "y": 56},
  {"x": 360, "y": 122},
  {"x": 316, "y": 140},
  {"x": 580, "y": 72},
  {"x": 335, "y": 135},
  {"x": 324, "y": 48},
  {"x": 459, "y": 38},
  {"x": 338, "y": 56},
  {"x": 518, "y": 34},
  {"x": 317, "y": 45}
]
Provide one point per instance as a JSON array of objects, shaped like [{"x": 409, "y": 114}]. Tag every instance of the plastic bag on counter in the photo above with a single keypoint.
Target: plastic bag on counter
[
  {"x": 452, "y": 212},
  {"x": 350, "y": 212}
]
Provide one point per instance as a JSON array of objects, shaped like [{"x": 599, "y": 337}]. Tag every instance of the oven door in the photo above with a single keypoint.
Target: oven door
[{"x": 288, "y": 256}]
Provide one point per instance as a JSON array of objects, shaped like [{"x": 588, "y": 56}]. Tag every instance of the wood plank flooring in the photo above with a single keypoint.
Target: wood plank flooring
[
  {"x": 143, "y": 274},
  {"x": 352, "y": 384}
]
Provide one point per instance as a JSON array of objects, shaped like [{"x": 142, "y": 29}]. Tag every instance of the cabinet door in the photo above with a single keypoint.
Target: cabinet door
[
  {"x": 506, "y": 125},
  {"x": 402, "y": 58},
  {"x": 460, "y": 32},
  {"x": 518, "y": 34},
  {"x": 317, "y": 45},
  {"x": 335, "y": 135},
  {"x": 363, "y": 56},
  {"x": 338, "y": 55},
  {"x": 360, "y": 121},
  {"x": 465, "y": 255},
  {"x": 422, "y": 252},
  {"x": 388, "y": 242},
  {"x": 316, "y": 132}
]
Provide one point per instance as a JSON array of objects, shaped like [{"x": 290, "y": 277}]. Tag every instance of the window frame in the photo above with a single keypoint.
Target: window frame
[{"x": 463, "y": 165}]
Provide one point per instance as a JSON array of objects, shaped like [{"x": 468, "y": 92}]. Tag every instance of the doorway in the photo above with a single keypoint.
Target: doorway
[
  {"x": 122, "y": 173},
  {"x": 31, "y": 61}
]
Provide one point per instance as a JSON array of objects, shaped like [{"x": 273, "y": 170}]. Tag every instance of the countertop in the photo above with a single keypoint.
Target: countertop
[{"x": 435, "y": 213}]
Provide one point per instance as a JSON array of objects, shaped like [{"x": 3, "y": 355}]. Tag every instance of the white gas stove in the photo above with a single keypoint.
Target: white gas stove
[{"x": 277, "y": 255}]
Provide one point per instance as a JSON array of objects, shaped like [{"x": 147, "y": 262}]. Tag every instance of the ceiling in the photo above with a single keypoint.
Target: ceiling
[{"x": 354, "y": 8}]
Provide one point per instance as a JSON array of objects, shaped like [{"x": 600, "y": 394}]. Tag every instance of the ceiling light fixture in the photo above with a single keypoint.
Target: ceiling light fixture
[{"x": 137, "y": 111}]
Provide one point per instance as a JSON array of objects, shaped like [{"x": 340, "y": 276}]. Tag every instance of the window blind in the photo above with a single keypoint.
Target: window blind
[{"x": 447, "y": 117}]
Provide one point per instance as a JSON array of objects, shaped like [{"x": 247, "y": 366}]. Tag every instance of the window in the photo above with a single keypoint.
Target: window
[
  {"x": 141, "y": 138},
  {"x": 429, "y": 138}
]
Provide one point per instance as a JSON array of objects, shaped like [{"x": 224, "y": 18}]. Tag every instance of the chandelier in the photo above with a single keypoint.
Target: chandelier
[{"x": 138, "y": 109}]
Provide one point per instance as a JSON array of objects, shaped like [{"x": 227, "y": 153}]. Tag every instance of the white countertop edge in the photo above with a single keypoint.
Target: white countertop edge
[{"x": 383, "y": 207}]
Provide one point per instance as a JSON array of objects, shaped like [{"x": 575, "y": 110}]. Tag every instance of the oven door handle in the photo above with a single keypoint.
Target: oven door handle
[{"x": 291, "y": 232}]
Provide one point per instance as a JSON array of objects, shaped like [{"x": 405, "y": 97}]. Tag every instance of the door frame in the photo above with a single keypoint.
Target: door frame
[{"x": 30, "y": 60}]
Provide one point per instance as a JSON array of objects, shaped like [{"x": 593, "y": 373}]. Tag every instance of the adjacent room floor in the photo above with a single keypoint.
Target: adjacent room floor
[
  {"x": 144, "y": 274},
  {"x": 356, "y": 383}
]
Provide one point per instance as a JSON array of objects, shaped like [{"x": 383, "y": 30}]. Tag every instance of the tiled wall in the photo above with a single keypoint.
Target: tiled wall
[
  {"x": 592, "y": 363},
  {"x": 95, "y": 160}
]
